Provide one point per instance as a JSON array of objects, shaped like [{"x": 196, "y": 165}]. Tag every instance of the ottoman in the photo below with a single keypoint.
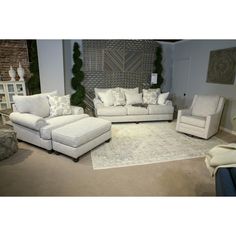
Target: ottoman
[
  {"x": 8, "y": 143},
  {"x": 79, "y": 137}
]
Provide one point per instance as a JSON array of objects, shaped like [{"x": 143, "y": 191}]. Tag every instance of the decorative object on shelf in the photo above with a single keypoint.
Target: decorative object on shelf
[
  {"x": 158, "y": 68},
  {"x": 77, "y": 98},
  {"x": 221, "y": 68},
  {"x": 21, "y": 72},
  {"x": 12, "y": 74}
]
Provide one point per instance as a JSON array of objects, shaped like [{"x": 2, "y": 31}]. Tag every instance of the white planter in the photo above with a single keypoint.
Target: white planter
[
  {"x": 12, "y": 74},
  {"x": 21, "y": 72}
]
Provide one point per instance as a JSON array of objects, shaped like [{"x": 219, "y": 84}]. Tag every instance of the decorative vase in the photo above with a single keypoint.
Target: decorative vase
[
  {"x": 21, "y": 72},
  {"x": 12, "y": 74}
]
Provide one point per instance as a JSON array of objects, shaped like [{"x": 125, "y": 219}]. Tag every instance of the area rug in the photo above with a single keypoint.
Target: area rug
[{"x": 147, "y": 143}]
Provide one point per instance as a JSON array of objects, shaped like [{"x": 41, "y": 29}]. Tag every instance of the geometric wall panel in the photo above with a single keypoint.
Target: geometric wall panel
[
  {"x": 148, "y": 59},
  {"x": 133, "y": 61},
  {"x": 222, "y": 66},
  {"x": 93, "y": 59},
  {"x": 114, "y": 60}
]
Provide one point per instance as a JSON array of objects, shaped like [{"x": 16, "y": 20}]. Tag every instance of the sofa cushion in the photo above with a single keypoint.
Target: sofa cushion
[
  {"x": 129, "y": 90},
  {"x": 35, "y": 104},
  {"x": 194, "y": 120},
  {"x": 149, "y": 97},
  {"x": 160, "y": 109},
  {"x": 205, "y": 105},
  {"x": 119, "y": 98},
  {"x": 161, "y": 100},
  {"x": 112, "y": 111},
  {"x": 81, "y": 132},
  {"x": 132, "y": 110},
  {"x": 106, "y": 97},
  {"x": 56, "y": 122},
  {"x": 133, "y": 98},
  {"x": 97, "y": 90}
]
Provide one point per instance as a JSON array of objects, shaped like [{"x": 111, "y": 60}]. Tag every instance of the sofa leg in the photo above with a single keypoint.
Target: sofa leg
[
  {"x": 57, "y": 153},
  {"x": 50, "y": 151},
  {"x": 108, "y": 141},
  {"x": 169, "y": 121},
  {"x": 76, "y": 159},
  {"x": 137, "y": 123},
  {"x": 19, "y": 140}
]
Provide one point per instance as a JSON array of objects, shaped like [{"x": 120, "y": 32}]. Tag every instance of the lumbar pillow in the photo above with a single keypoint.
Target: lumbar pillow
[
  {"x": 59, "y": 105},
  {"x": 149, "y": 97},
  {"x": 133, "y": 98},
  {"x": 107, "y": 98},
  {"x": 35, "y": 104},
  {"x": 119, "y": 98},
  {"x": 162, "y": 98}
]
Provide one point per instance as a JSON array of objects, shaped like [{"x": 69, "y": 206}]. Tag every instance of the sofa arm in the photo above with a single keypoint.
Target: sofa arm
[
  {"x": 28, "y": 120},
  {"x": 97, "y": 103},
  {"x": 184, "y": 112},
  {"x": 212, "y": 123},
  {"x": 77, "y": 110},
  {"x": 168, "y": 103}
]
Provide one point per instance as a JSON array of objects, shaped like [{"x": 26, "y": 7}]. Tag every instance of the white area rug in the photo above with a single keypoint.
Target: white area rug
[{"x": 146, "y": 143}]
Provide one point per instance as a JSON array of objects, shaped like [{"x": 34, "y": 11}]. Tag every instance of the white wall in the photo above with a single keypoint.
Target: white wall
[
  {"x": 192, "y": 58},
  {"x": 51, "y": 66}
]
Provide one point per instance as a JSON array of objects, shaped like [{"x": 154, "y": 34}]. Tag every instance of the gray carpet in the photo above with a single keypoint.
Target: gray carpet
[{"x": 34, "y": 172}]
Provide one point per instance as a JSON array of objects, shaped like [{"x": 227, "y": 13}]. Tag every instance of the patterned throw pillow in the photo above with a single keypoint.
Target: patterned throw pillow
[
  {"x": 149, "y": 97},
  {"x": 59, "y": 105},
  {"x": 119, "y": 98}
]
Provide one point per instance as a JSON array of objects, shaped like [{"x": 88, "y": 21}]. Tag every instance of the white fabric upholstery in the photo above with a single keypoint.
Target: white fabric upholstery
[
  {"x": 194, "y": 120},
  {"x": 132, "y": 110},
  {"x": 28, "y": 120},
  {"x": 129, "y": 90},
  {"x": 77, "y": 110},
  {"x": 133, "y": 98},
  {"x": 205, "y": 105},
  {"x": 35, "y": 104},
  {"x": 160, "y": 109},
  {"x": 107, "y": 98},
  {"x": 59, "y": 121},
  {"x": 149, "y": 97},
  {"x": 161, "y": 100},
  {"x": 97, "y": 90},
  {"x": 81, "y": 132},
  {"x": 112, "y": 111},
  {"x": 119, "y": 98},
  {"x": 201, "y": 125}
]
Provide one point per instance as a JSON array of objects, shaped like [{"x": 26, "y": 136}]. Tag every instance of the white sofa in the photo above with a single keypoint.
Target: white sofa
[
  {"x": 202, "y": 119},
  {"x": 32, "y": 123},
  {"x": 129, "y": 113}
]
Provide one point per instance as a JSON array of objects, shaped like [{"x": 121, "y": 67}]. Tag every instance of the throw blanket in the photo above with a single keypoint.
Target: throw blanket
[{"x": 221, "y": 156}]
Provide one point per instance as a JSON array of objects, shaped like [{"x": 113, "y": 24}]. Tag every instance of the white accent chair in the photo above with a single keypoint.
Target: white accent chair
[{"x": 202, "y": 119}]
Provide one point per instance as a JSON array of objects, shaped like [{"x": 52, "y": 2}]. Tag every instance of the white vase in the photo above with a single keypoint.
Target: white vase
[
  {"x": 12, "y": 74},
  {"x": 21, "y": 72}
]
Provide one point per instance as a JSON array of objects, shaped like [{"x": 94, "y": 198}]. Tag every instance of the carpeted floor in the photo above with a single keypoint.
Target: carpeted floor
[{"x": 34, "y": 172}]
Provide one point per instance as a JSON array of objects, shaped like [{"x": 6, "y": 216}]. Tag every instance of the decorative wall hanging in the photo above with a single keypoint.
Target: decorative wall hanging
[{"x": 222, "y": 66}]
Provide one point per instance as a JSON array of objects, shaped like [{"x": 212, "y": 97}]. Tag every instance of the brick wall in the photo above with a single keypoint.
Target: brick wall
[{"x": 11, "y": 53}]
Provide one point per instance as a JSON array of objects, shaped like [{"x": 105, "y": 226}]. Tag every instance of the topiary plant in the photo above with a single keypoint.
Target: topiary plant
[
  {"x": 158, "y": 67},
  {"x": 77, "y": 98}
]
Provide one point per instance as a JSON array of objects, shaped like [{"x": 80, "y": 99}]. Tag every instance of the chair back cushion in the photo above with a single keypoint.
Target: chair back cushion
[
  {"x": 204, "y": 105},
  {"x": 35, "y": 104}
]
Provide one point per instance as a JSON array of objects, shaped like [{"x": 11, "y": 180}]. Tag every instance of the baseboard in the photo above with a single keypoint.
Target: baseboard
[{"x": 228, "y": 130}]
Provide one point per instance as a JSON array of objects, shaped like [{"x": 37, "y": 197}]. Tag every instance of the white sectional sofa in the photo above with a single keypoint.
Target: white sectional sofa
[
  {"x": 132, "y": 113},
  {"x": 73, "y": 134}
]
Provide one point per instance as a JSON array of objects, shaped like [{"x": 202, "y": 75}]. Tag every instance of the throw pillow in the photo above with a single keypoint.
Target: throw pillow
[
  {"x": 128, "y": 90},
  {"x": 119, "y": 98},
  {"x": 161, "y": 100},
  {"x": 35, "y": 104},
  {"x": 107, "y": 98},
  {"x": 133, "y": 98},
  {"x": 59, "y": 105},
  {"x": 157, "y": 90},
  {"x": 98, "y": 90},
  {"x": 149, "y": 97}
]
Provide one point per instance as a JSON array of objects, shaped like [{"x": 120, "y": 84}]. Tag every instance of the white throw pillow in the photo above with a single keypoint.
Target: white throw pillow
[
  {"x": 107, "y": 98},
  {"x": 133, "y": 98},
  {"x": 35, "y": 104},
  {"x": 59, "y": 105},
  {"x": 119, "y": 98},
  {"x": 150, "y": 97},
  {"x": 98, "y": 90},
  {"x": 157, "y": 90},
  {"x": 128, "y": 90},
  {"x": 161, "y": 100}
]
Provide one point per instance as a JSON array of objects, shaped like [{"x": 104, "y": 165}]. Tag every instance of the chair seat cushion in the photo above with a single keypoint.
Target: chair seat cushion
[
  {"x": 160, "y": 109},
  {"x": 194, "y": 120},
  {"x": 81, "y": 132},
  {"x": 132, "y": 110},
  {"x": 56, "y": 122},
  {"x": 112, "y": 111}
]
